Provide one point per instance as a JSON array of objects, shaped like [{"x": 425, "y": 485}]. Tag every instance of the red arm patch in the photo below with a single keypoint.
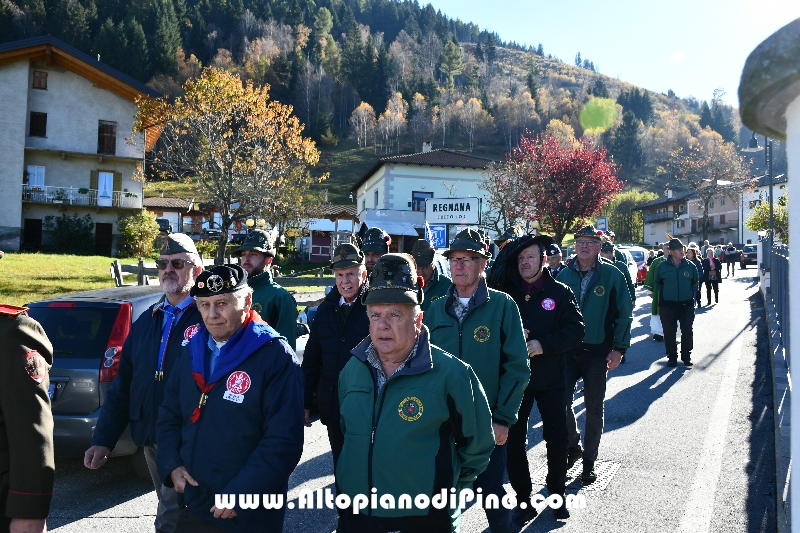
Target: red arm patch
[{"x": 35, "y": 366}]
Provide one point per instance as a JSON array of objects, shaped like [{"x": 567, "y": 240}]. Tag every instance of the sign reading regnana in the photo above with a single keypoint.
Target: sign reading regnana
[{"x": 453, "y": 210}]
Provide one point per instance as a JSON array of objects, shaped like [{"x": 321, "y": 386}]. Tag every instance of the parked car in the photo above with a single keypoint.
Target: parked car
[
  {"x": 164, "y": 225},
  {"x": 87, "y": 330},
  {"x": 749, "y": 255},
  {"x": 639, "y": 255},
  {"x": 633, "y": 269}
]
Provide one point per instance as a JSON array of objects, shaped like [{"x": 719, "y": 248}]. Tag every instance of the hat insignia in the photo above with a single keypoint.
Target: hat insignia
[{"x": 215, "y": 283}]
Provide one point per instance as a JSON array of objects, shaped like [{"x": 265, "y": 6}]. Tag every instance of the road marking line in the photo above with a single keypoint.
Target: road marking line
[{"x": 699, "y": 505}]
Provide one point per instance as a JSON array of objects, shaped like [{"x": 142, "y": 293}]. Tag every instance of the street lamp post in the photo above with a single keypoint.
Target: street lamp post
[{"x": 754, "y": 147}]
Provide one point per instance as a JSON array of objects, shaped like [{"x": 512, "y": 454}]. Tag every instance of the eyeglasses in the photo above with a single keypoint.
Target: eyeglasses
[
  {"x": 177, "y": 264},
  {"x": 466, "y": 262},
  {"x": 592, "y": 242}
]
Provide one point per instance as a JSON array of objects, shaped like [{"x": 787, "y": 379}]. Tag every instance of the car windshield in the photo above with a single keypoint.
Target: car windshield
[
  {"x": 76, "y": 332},
  {"x": 638, "y": 255},
  {"x": 750, "y": 248}
]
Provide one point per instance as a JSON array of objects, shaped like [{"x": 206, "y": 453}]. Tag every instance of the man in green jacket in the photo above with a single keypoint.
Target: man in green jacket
[
  {"x": 436, "y": 283},
  {"x": 677, "y": 280},
  {"x": 608, "y": 252},
  {"x": 656, "y": 328},
  {"x": 607, "y": 311},
  {"x": 415, "y": 419},
  {"x": 483, "y": 328},
  {"x": 274, "y": 303}
]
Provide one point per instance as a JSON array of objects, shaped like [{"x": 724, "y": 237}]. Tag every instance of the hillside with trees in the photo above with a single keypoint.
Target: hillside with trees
[{"x": 370, "y": 78}]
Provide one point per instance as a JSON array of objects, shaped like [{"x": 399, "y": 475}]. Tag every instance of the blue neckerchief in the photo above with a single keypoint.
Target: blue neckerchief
[
  {"x": 239, "y": 347},
  {"x": 170, "y": 313}
]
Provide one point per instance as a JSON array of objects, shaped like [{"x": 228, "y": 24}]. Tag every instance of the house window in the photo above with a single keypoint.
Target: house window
[
  {"x": 107, "y": 138},
  {"x": 38, "y": 127},
  {"x": 722, "y": 219},
  {"x": 722, "y": 201},
  {"x": 711, "y": 204},
  {"x": 376, "y": 199},
  {"x": 681, "y": 208},
  {"x": 105, "y": 188},
  {"x": 652, "y": 229},
  {"x": 754, "y": 203},
  {"x": 35, "y": 176},
  {"x": 39, "y": 79},
  {"x": 418, "y": 200}
]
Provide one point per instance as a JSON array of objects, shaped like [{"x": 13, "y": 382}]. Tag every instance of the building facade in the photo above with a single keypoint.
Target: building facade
[{"x": 67, "y": 142}]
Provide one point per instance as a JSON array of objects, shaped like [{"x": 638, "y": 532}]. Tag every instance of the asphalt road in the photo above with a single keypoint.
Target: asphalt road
[{"x": 683, "y": 450}]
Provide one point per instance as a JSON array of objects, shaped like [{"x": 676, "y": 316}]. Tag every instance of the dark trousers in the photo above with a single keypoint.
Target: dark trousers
[
  {"x": 553, "y": 411},
  {"x": 188, "y": 523},
  {"x": 491, "y": 481},
  {"x": 670, "y": 316},
  {"x": 336, "y": 438},
  {"x": 590, "y": 364},
  {"x": 710, "y": 284}
]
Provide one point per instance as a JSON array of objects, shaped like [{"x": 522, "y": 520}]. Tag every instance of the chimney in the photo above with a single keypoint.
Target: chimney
[
  {"x": 161, "y": 194},
  {"x": 426, "y": 146},
  {"x": 669, "y": 194}
]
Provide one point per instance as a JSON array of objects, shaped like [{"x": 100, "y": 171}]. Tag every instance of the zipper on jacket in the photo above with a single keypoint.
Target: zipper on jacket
[{"x": 376, "y": 416}]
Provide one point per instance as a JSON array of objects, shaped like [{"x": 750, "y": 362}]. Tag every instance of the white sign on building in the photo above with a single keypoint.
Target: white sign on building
[{"x": 453, "y": 210}]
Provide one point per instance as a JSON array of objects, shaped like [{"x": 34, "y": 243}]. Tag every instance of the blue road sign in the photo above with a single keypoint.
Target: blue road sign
[
  {"x": 602, "y": 223},
  {"x": 439, "y": 233}
]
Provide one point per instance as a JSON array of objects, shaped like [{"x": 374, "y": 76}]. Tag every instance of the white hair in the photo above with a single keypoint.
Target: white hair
[{"x": 241, "y": 294}]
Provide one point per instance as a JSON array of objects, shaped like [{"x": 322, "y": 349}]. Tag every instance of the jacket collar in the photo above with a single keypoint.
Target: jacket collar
[
  {"x": 182, "y": 306},
  {"x": 265, "y": 278},
  {"x": 421, "y": 362}
]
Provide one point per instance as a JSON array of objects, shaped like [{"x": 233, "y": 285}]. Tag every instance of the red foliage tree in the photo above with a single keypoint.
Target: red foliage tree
[{"x": 566, "y": 183}]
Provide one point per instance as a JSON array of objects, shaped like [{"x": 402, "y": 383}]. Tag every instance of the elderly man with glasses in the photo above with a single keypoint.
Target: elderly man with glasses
[
  {"x": 605, "y": 303},
  {"x": 483, "y": 328},
  {"x": 147, "y": 359}
]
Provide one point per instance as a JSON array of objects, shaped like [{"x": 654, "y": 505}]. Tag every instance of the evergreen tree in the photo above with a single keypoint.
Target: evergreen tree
[
  {"x": 479, "y": 52},
  {"x": 451, "y": 63},
  {"x": 626, "y": 146},
  {"x": 110, "y": 44},
  {"x": 532, "y": 76},
  {"x": 638, "y": 102},
  {"x": 705, "y": 116},
  {"x": 490, "y": 50},
  {"x": 578, "y": 60},
  {"x": 167, "y": 39},
  {"x": 137, "y": 62},
  {"x": 599, "y": 89},
  {"x": 540, "y": 50}
]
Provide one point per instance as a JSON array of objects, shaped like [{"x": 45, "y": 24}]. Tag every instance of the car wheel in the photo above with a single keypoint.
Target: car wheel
[{"x": 139, "y": 464}]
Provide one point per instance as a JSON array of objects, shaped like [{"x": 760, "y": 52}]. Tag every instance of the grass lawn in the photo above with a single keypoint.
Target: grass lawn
[{"x": 29, "y": 277}]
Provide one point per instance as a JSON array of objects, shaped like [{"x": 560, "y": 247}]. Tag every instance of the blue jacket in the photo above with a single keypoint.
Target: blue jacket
[
  {"x": 328, "y": 350},
  {"x": 247, "y": 436},
  {"x": 135, "y": 395}
]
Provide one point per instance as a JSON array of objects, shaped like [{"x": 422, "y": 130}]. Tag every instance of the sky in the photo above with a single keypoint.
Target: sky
[{"x": 690, "y": 46}]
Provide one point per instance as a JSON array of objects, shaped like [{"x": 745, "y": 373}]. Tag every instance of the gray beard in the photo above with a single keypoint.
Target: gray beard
[{"x": 170, "y": 286}]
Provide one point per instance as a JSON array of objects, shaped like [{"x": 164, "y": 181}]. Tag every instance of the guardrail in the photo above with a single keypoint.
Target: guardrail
[
  {"x": 779, "y": 289},
  {"x": 50, "y": 194},
  {"x": 658, "y": 217}
]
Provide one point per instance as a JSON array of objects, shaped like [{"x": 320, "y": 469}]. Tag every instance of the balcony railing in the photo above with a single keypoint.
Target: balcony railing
[
  {"x": 658, "y": 217},
  {"x": 73, "y": 196}
]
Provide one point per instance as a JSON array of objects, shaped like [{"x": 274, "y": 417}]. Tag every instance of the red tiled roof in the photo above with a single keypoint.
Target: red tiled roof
[{"x": 333, "y": 212}]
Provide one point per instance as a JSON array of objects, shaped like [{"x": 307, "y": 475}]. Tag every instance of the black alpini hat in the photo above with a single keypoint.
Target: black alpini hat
[
  {"x": 469, "y": 240},
  {"x": 394, "y": 281},
  {"x": 346, "y": 255},
  {"x": 553, "y": 249},
  {"x": 219, "y": 280},
  {"x": 258, "y": 241},
  {"x": 376, "y": 240},
  {"x": 422, "y": 253}
]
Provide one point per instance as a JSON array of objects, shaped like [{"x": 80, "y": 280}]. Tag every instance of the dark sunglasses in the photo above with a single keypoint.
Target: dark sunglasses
[{"x": 177, "y": 264}]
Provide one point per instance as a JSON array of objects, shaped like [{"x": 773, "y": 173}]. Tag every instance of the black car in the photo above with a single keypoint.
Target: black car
[
  {"x": 749, "y": 255},
  {"x": 164, "y": 225},
  {"x": 87, "y": 330}
]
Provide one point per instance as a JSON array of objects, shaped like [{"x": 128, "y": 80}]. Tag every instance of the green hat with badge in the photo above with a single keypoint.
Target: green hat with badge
[
  {"x": 469, "y": 240},
  {"x": 589, "y": 231},
  {"x": 422, "y": 253},
  {"x": 346, "y": 255},
  {"x": 675, "y": 244},
  {"x": 394, "y": 280},
  {"x": 258, "y": 241},
  {"x": 376, "y": 240},
  {"x": 178, "y": 243}
]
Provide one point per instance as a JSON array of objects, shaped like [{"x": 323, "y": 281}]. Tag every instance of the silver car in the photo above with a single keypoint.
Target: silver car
[{"x": 88, "y": 330}]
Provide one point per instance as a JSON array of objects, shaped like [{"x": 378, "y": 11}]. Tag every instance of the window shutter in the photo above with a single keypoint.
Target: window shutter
[
  {"x": 117, "y": 181},
  {"x": 93, "y": 180}
]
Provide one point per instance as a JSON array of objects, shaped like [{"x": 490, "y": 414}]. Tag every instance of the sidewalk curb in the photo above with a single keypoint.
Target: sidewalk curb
[{"x": 781, "y": 399}]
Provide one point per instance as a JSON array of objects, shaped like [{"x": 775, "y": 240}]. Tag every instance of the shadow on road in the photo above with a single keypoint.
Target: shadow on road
[
  {"x": 760, "y": 469},
  {"x": 80, "y": 492}
]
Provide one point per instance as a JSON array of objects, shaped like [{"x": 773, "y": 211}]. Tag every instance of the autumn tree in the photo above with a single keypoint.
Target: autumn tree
[
  {"x": 473, "y": 119},
  {"x": 243, "y": 152},
  {"x": 711, "y": 167},
  {"x": 363, "y": 123},
  {"x": 623, "y": 216},
  {"x": 559, "y": 185}
]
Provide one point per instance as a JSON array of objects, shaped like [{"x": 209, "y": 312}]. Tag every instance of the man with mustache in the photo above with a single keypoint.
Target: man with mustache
[
  {"x": 147, "y": 359},
  {"x": 270, "y": 300}
]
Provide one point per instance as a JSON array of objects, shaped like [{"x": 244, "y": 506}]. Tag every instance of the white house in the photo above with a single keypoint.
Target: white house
[
  {"x": 757, "y": 195},
  {"x": 65, "y": 120},
  {"x": 394, "y": 191}
]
